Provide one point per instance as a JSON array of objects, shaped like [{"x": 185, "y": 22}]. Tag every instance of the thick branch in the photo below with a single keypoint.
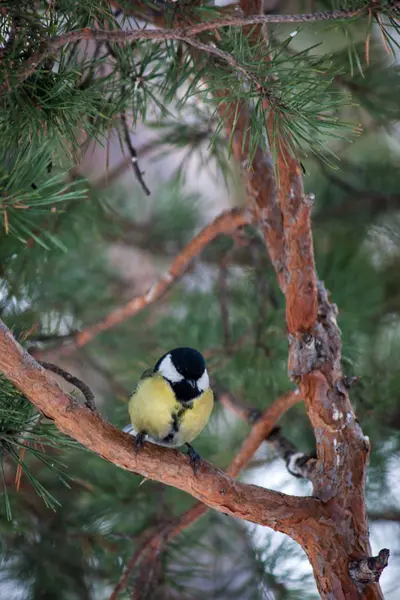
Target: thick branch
[
  {"x": 339, "y": 473},
  {"x": 212, "y": 486},
  {"x": 265, "y": 424},
  {"x": 224, "y": 224}
]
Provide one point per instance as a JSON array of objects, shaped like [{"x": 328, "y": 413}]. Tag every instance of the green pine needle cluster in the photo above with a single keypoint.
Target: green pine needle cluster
[{"x": 24, "y": 438}]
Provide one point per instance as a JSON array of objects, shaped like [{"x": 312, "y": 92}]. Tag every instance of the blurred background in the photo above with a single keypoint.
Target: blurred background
[{"x": 70, "y": 521}]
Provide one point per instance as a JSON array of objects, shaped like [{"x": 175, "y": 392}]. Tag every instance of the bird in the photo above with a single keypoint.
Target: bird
[{"x": 172, "y": 402}]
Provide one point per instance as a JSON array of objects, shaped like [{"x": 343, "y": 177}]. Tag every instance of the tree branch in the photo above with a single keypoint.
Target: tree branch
[
  {"x": 225, "y": 224},
  {"x": 369, "y": 569},
  {"x": 185, "y": 34},
  {"x": 148, "y": 542},
  {"x": 384, "y": 515},
  {"x": 338, "y": 475},
  {"x": 262, "y": 429},
  {"x": 265, "y": 424},
  {"x": 211, "y": 486}
]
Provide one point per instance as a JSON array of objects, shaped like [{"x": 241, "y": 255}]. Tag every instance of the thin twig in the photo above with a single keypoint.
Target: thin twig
[
  {"x": 134, "y": 155},
  {"x": 385, "y": 515},
  {"x": 86, "y": 391},
  {"x": 184, "y": 34}
]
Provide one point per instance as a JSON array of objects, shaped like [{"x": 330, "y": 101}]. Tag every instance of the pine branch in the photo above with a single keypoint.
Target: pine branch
[
  {"x": 314, "y": 352},
  {"x": 224, "y": 224},
  {"x": 262, "y": 429},
  {"x": 149, "y": 542},
  {"x": 212, "y": 486},
  {"x": 264, "y": 426},
  {"x": 186, "y": 34},
  {"x": 297, "y": 463}
]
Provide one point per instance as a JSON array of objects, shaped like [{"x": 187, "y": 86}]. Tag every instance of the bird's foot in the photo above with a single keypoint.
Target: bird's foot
[
  {"x": 194, "y": 457},
  {"x": 139, "y": 440}
]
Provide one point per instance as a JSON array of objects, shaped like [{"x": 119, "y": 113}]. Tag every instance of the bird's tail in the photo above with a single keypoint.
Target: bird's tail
[{"x": 129, "y": 429}]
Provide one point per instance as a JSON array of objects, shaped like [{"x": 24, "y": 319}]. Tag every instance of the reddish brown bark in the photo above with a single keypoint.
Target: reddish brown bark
[
  {"x": 257, "y": 436},
  {"x": 339, "y": 473},
  {"x": 212, "y": 486},
  {"x": 332, "y": 527}
]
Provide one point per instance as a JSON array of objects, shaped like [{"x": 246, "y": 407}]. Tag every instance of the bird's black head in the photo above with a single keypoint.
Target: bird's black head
[{"x": 185, "y": 369}]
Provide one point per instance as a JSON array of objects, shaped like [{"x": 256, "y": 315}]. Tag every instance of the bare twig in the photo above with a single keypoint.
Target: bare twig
[
  {"x": 384, "y": 515},
  {"x": 85, "y": 389},
  {"x": 134, "y": 155}
]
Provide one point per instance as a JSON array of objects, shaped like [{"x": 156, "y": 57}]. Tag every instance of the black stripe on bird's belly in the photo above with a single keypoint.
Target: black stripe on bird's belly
[{"x": 176, "y": 420}]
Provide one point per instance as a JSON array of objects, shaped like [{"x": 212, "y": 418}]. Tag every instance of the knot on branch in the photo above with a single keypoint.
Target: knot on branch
[
  {"x": 310, "y": 350},
  {"x": 298, "y": 463},
  {"x": 368, "y": 570},
  {"x": 306, "y": 352}
]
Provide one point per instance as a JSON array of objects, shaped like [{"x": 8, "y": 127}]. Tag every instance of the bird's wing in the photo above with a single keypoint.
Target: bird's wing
[{"x": 147, "y": 373}]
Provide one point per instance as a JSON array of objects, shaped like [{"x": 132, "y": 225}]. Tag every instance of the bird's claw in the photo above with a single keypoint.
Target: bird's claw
[
  {"x": 139, "y": 441},
  {"x": 194, "y": 457}
]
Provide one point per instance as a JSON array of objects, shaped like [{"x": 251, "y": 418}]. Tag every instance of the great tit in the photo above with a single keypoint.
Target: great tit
[{"x": 172, "y": 403}]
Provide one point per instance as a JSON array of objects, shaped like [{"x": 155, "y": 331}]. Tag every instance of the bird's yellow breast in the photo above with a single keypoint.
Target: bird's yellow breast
[{"x": 154, "y": 409}]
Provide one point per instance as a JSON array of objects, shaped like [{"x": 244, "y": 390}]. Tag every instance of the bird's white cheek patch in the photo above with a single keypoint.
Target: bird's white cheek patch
[
  {"x": 204, "y": 382},
  {"x": 168, "y": 370}
]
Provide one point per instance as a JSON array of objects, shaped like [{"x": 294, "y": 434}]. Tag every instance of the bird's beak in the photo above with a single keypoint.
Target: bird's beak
[{"x": 192, "y": 382}]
